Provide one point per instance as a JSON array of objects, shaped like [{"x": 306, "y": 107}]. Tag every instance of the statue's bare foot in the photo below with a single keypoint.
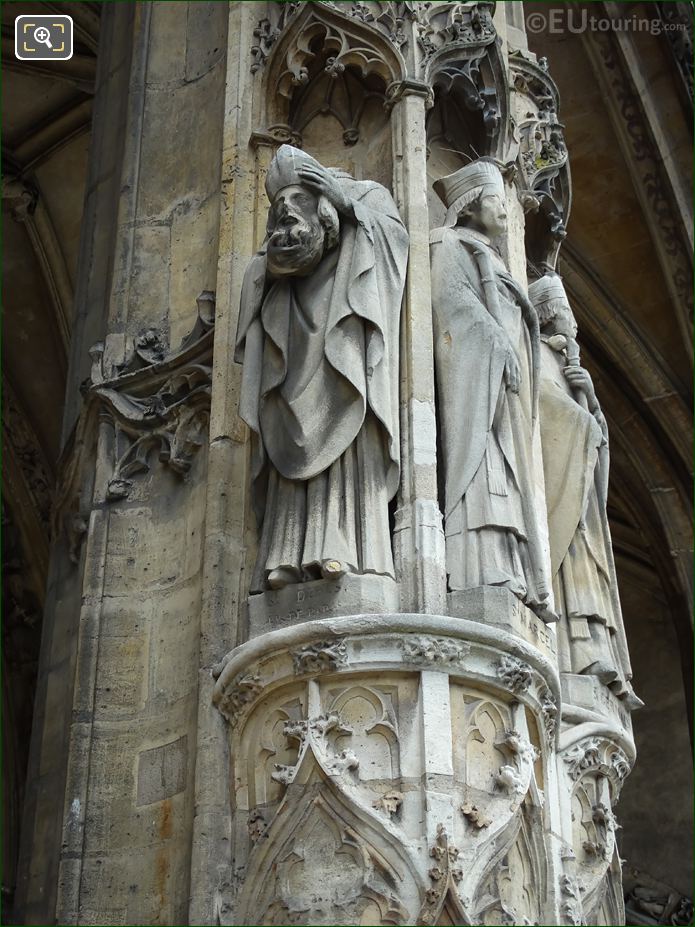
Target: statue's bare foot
[
  {"x": 605, "y": 673},
  {"x": 281, "y": 577},
  {"x": 332, "y": 569},
  {"x": 545, "y": 613}
]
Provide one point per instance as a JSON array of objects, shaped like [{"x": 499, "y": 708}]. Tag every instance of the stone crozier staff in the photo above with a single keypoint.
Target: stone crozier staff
[
  {"x": 487, "y": 355},
  {"x": 318, "y": 337},
  {"x": 575, "y": 464}
]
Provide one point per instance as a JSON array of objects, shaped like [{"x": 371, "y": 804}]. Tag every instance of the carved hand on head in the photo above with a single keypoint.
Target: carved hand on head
[
  {"x": 322, "y": 182},
  {"x": 557, "y": 342}
]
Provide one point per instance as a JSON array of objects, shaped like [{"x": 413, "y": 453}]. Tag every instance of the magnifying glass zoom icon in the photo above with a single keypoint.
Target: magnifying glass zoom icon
[{"x": 42, "y": 35}]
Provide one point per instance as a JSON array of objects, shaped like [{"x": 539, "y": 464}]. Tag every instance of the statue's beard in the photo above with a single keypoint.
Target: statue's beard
[{"x": 295, "y": 249}]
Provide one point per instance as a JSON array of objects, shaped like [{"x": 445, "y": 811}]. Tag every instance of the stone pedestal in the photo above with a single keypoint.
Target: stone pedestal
[
  {"x": 413, "y": 769},
  {"x": 392, "y": 769}
]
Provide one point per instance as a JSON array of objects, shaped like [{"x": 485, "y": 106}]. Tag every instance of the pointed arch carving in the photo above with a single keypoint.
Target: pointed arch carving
[
  {"x": 324, "y": 853},
  {"x": 606, "y": 904},
  {"x": 593, "y": 831},
  {"x": 319, "y": 45},
  {"x": 515, "y": 878},
  {"x": 374, "y": 731},
  {"x": 483, "y": 754},
  {"x": 464, "y": 64}
]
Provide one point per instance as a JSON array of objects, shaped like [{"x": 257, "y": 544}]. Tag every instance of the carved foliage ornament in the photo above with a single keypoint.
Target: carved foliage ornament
[
  {"x": 312, "y": 736},
  {"x": 543, "y": 150},
  {"x": 446, "y": 25},
  {"x": 433, "y": 651},
  {"x": 549, "y": 712},
  {"x": 156, "y": 403},
  {"x": 445, "y": 874},
  {"x": 598, "y": 756},
  {"x": 650, "y": 163},
  {"x": 320, "y": 657},
  {"x": 514, "y": 674},
  {"x": 545, "y": 187},
  {"x": 22, "y": 443},
  {"x": 239, "y": 695},
  {"x": 436, "y": 26},
  {"x": 315, "y": 859}
]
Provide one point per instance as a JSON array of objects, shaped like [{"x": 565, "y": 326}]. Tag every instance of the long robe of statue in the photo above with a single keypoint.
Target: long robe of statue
[
  {"x": 487, "y": 346},
  {"x": 318, "y": 335},
  {"x": 574, "y": 438}
]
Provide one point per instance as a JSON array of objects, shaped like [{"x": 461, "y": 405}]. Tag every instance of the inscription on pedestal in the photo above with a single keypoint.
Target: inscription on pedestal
[
  {"x": 498, "y": 607},
  {"x": 321, "y": 599}
]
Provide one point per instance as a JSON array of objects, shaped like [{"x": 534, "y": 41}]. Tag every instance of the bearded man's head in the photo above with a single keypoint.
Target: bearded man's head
[{"x": 302, "y": 227}]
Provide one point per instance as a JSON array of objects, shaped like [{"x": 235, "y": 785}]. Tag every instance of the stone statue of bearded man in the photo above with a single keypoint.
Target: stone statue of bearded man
[{"x": 318, "y": 337}]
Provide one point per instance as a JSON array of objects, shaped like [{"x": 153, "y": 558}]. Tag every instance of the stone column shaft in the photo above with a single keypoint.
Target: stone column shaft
[
  {"x": 419, "y": 538},
  {"x": 226, "y": 502}
]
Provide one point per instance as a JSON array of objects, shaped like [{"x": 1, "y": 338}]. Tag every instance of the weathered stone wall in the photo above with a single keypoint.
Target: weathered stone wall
[{"x": 127, "y": 611}]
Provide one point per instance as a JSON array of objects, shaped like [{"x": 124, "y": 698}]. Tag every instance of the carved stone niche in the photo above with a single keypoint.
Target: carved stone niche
[
  {"x": 324, "y": 83},
  {"x": 462, "y": 61},
  {"x": 544, "y": 177}
]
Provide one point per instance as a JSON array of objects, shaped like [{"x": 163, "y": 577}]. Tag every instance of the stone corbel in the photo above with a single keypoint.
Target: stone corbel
[
  {"x": 402, "y": 88},
  {"x": 21, "y": 197},
  {"x": 155, "y": 401}
]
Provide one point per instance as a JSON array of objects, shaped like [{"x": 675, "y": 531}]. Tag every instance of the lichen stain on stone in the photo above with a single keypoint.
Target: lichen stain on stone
[
  {"x": 161, "y": 877},
  {"x": 166, "y": 825}
]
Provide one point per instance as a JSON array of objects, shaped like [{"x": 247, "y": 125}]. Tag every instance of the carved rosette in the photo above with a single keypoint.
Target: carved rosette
[{"x": 387, "y": 770}]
